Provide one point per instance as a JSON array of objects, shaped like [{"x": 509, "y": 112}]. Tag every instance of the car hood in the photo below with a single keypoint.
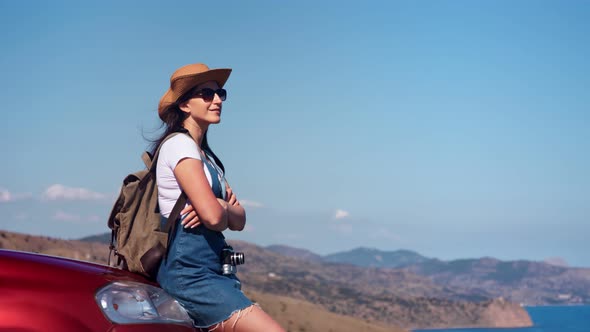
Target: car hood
[{"x": 37, "y": 270}]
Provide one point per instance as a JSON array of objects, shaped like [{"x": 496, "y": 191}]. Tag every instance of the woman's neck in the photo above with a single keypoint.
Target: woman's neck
[{"x": 196, "y": 131}]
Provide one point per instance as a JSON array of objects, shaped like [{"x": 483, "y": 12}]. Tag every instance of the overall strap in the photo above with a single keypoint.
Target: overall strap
[{"x": 210, "y": 163}]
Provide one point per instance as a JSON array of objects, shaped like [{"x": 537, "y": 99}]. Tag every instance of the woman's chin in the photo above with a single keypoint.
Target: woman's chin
[{"x": 215, "y": 120}]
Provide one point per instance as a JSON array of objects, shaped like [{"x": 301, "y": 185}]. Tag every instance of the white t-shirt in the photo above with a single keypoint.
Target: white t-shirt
[{"x": 173, "y": 151}]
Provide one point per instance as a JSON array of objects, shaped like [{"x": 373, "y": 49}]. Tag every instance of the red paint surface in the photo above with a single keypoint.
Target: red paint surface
[{"x": 45, "y": 293}]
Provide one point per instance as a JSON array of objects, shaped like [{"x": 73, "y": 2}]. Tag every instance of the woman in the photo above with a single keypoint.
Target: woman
[{"x": 192, "y": 271}]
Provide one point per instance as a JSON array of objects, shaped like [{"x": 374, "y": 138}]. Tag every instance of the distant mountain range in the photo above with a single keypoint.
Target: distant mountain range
[
  {"x": 526, "y": 282},
  {"x": 104, "y": 238},
  {"x": 295, "y": 252},
  {"x": 368, "y": 257}
]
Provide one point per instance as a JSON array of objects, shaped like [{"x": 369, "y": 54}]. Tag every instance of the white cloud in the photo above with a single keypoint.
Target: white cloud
[
  {"x": 249, "y": 228},
  {"x": 61, "y": 192},
  {"x": 7, "y": 196},
  {"x": 340, "y": 214},
  {"x": 64, "y": 216},
  {"x": 252, "y": 204},
  {"x": 61, "y": 215}
]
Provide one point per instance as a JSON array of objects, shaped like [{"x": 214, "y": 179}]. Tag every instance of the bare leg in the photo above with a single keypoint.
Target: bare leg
[{"x": 251, "y": 319}]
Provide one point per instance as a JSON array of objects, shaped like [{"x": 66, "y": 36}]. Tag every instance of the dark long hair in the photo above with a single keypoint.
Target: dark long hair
[{"x": 172, "y": 119}]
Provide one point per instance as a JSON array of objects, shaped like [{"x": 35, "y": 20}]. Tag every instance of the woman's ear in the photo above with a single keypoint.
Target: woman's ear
[{"x": 184, "y": 107}]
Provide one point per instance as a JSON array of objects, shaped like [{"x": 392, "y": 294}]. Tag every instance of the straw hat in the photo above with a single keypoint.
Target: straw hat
[{"x": 189, "y": 76}]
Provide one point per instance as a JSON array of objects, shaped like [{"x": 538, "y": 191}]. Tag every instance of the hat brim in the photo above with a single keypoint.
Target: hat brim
[{"x": 180, "y": 85}]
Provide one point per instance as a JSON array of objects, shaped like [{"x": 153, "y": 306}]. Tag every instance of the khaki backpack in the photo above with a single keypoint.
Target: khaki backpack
[{"x": 135, "y": 221}]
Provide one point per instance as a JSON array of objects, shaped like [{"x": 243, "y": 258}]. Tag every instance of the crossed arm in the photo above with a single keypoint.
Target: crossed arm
[{"x": 214, "y": 213}]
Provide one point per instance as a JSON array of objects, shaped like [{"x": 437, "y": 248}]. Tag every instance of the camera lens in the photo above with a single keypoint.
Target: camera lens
[{"x": 237, "y": 258}]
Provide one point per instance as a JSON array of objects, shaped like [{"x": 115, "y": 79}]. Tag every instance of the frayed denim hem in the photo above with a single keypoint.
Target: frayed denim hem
[{"x": 240, "y": 312}]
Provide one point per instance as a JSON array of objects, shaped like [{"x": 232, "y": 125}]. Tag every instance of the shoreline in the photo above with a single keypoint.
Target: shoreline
[{"x": 499, "y": 329}]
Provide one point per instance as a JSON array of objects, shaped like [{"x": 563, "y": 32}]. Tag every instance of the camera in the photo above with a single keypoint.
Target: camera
[{"x": 230, "y": 259}]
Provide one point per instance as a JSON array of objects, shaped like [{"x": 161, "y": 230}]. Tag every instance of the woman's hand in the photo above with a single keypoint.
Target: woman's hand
[
  {"x": 236, "y": 215},
  {"x": 230, "y": 197},
  {"x": 224, "y": 204},
  {"x": 191, "y": 220}
]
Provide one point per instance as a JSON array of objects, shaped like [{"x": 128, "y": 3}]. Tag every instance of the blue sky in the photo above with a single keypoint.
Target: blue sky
[{"x": 454, "y": 128}]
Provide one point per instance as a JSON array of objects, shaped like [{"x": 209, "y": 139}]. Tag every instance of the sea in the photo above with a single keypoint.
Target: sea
[{"x": 545, "y": 319}]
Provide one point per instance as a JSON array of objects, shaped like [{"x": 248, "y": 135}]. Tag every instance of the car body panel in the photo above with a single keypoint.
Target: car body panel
[{"x": 46, "y": 293}]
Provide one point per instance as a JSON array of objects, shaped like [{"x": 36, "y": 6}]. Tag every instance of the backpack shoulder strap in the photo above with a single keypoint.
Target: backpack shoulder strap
[
  {"x": 151, "y": 161},
  {"x": 182, "y": 199},
  {"x": 170, "y": 227}
]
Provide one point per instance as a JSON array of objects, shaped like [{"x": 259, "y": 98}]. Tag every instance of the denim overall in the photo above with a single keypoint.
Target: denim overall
[{"x": 191, "y": 272}]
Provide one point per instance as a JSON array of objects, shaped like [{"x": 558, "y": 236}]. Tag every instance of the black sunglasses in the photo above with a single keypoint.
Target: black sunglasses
[{"x": 208, "y": 94}]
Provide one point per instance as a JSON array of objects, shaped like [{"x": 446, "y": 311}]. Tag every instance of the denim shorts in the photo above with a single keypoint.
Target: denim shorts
[{"x": 191, "y": 273}]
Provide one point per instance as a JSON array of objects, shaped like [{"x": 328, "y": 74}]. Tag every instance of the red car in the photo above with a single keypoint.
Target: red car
[{"x": 41, "y": 293}]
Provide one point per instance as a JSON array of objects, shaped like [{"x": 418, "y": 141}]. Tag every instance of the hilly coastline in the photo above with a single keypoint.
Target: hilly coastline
[
  {"x": 378, "y": 299},
  {"x": 524, "y": 282}
]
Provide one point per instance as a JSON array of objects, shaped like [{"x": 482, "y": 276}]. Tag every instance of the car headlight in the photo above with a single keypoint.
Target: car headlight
[{"x": 128, "y": 302}]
